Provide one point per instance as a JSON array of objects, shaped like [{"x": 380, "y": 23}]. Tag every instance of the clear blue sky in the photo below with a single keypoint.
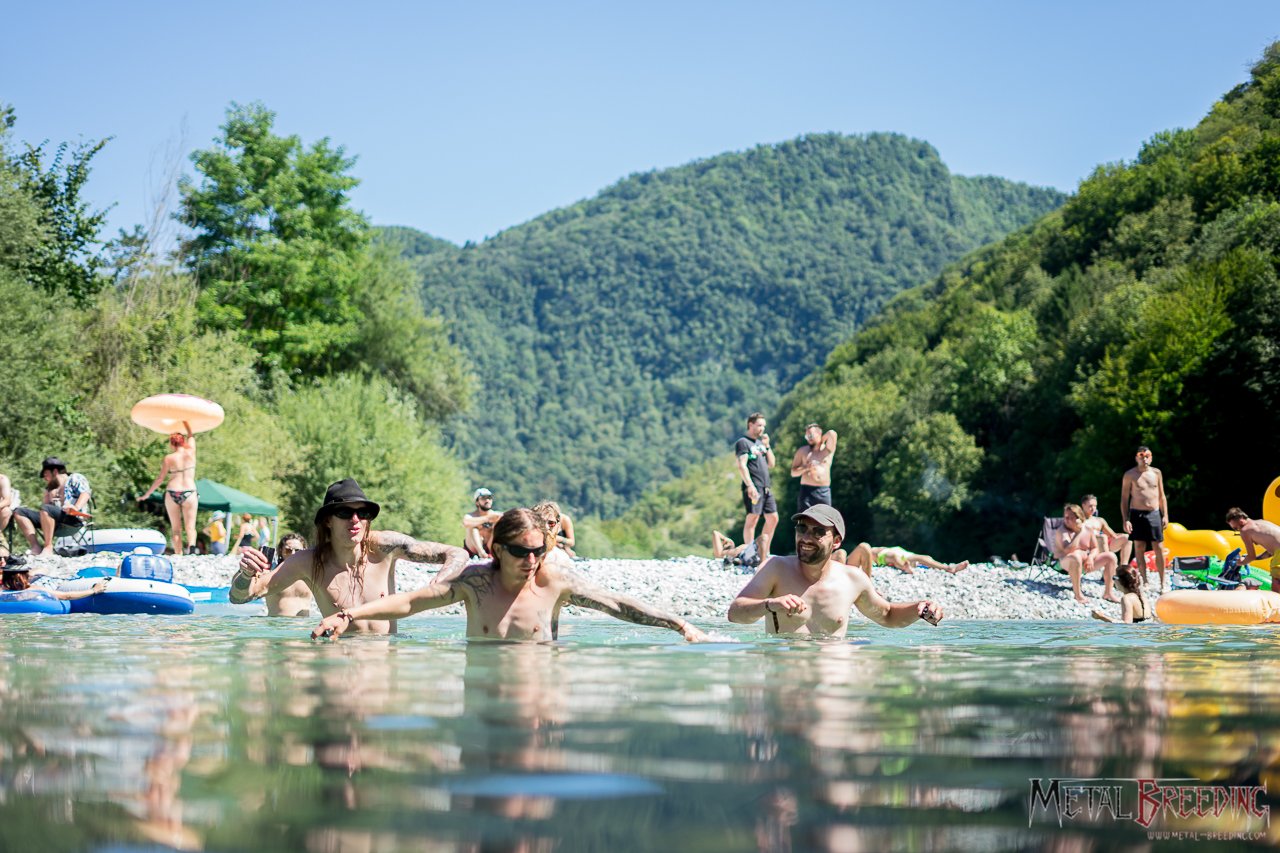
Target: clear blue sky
[{"x": 468, "y": 118}]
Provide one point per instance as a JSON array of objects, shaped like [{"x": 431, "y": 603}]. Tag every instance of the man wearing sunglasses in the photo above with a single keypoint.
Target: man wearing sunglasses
[
  {"x": 811, "y": 593},
  {"x": 349, "y": 564},
  {"x": 516, "y": 596}
]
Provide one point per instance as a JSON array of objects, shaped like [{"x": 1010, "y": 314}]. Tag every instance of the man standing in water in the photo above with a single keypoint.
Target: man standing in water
[
  {"x": 1145, "y": 511},
  {"x": 516, "y": 596},
  {"x": 811, "y": 593},
  {"x": 349, "y": 563},
  {"x": 812, "y": 464},
  {"x": 1254, "y": 535},
  {"x": 478, "y": 525},
  {"x": 755, "y": 458}
]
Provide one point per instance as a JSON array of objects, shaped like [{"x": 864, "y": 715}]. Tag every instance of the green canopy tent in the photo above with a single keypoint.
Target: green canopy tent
[{"x": 218, "y": 496}]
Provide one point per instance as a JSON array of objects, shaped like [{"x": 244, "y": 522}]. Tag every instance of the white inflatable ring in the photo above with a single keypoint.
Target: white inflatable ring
[
  {"x": 165, "y": 413},
  {"x": 1218, "y": 607}
]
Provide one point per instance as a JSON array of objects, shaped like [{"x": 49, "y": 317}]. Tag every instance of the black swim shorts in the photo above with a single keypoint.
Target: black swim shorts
[
  {"x": 1147, "y": 525},
  {"x": 60, "y": 518},
  {"x": 812, "y": 496},
  {"x": 764, "y": 504}
]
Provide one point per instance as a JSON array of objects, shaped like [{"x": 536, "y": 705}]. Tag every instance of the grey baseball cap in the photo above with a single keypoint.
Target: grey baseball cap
[{"x": 827, "y": 516}]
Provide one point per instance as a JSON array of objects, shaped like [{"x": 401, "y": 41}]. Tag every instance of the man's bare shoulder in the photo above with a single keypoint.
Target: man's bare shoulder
[{"x": 1132, "y": 473}]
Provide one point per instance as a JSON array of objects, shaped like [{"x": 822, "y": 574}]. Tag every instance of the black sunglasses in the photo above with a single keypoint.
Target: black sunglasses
[
  {"x": 520, "y": 552},
  {"x": 346, "y": 513}
]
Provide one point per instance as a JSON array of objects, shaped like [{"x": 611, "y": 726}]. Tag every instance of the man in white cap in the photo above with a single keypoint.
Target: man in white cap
[
  {"x": 811, "y": 593},
  {"x": 477, "y": 525},
  {"x": 349, "y": 563}
]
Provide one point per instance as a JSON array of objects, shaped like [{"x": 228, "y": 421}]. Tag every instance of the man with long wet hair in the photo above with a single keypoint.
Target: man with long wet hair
[
  {"x": 515, "y": 596},
  {"x": 349, "y": 564}
]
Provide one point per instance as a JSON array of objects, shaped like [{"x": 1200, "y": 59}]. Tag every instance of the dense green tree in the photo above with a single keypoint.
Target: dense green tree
[{"x": 622, "y": 339}]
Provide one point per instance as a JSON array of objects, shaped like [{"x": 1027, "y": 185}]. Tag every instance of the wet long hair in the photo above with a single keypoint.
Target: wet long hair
[
  {"x": 15, "y": 581},
  {"x": 324, "y": 543},
  {"x": 515, "y": 522}
]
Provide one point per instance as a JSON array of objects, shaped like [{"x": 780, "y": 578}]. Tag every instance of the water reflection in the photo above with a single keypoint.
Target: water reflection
[{"x": 233, "y": 734}]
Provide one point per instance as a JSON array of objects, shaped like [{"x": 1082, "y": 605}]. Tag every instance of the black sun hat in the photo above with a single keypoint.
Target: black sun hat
[
  {"x": 53, "y": 463},
  {"x": 347, "y": 493}
]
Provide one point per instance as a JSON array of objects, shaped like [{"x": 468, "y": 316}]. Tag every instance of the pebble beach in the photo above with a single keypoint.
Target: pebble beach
[{"x": 700, "y": 589}]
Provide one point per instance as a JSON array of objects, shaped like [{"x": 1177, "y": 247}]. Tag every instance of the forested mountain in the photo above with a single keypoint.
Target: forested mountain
[
  {"x": 1145, "y": 311},
  {"x": 624, "y": 338}
]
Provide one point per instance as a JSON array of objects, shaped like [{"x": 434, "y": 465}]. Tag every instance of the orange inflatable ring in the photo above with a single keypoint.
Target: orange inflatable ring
[
  {"x": 165, "y": 413},
  {"x": 1218, "y": 607}
]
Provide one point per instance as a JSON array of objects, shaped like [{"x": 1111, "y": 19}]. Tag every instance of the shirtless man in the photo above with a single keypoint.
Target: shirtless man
[
  {"x": 866, "y": 557},
  {"x": 812, "y": 464},
  {"x": 1254, "y": 535},
  {"x": 516, "y": 596},
  {"x": 1076, "y": 547},
  {"x": 811, "y": 593},
  {"x": 755, "y": 458},
  {"x": 1108, "y": 538},
  {"x": 7, "y": 503},
  {"x": 349, "y": 563},
  {"x": 296, "y": 599},
  {"x": 478, "y": 525},
  {"x": 1145, "y": 511}
]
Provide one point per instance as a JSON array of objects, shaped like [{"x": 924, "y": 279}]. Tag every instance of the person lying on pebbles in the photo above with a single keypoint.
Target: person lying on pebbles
[{"x": 812, "y": 593}]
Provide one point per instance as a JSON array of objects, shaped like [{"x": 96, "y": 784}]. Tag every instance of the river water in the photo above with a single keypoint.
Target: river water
[{"x": 233, "y": 733}]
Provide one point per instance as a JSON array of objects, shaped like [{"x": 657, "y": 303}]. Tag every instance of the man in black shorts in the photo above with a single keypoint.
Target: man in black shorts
[
  {"x": 1145, "y": 511},
  {"x": 755, "y": 458}
]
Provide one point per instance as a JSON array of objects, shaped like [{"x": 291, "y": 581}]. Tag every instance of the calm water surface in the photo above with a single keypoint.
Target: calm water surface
[{"x": 234, "y": 733}]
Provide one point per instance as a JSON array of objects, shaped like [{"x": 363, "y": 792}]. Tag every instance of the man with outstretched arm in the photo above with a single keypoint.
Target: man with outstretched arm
[
  {"x": 349, "y": 563},
  {"x": 811, "y": 593},
  {"x": 516, "y": 596}
]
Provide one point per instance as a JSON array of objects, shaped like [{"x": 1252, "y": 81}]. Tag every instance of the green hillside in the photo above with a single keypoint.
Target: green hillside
[
  {"x": 1146, "y": 310},
  {"x": 622, "y": 339}
]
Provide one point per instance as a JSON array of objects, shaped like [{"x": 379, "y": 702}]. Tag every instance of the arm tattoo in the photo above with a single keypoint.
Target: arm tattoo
[
  {"x": 240, "y": 586},
  {"x": 627, "y": 609},
  {"x": 415, "y": 550}
]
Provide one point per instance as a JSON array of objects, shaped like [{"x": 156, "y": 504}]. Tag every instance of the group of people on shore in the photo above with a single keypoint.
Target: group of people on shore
[{"x": 517, "y": 593}]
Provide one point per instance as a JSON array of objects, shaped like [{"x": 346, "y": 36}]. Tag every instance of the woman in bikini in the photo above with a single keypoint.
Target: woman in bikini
[
  {"x": 180, "y": 499},
  {"x": 1134, "y": 605}
]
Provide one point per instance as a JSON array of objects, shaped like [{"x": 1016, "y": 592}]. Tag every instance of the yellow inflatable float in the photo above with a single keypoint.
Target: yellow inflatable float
[
  {"x": 1271, "y": 502},
  {"x": 1218, "y": 607},
  {"x": 1181, "y": 542},
  {"x": 165, "y": 413}
]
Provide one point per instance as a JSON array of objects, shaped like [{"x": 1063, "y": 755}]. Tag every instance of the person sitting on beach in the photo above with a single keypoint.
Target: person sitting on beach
[
  {"x": 349, "y": 563},
  {"x": 246, "y": 536},
  {"x": 17, "y": 577},
  {"x": 867, "y": 557},
  {"x": 548, "y": 512},
  {"x": 477, "y": 525},
  {"x": 515, "y": 596},
  {"x": 180, "y": 498},
  {"x": 66, "y": 503},
  {"x": 1134, "y": 606},
  {"x": 722, "y": 547},
  {"x": 1254, "y": 535},
  {"x": 1077, "y": 549},
  {"x": 811, "y": 593},
  {"x": 296, "y": 599},
  {"x": 8, "y": 503},
  {"x": 1116, "y": 542}
]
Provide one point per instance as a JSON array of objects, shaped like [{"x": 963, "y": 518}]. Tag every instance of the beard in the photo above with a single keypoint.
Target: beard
[{"x": 817, "y": 557}]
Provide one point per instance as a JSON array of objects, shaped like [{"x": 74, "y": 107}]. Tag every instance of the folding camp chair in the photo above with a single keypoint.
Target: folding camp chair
[
  {"x": 75, "y": 539},
  {"x": 1043, "y": 562}
]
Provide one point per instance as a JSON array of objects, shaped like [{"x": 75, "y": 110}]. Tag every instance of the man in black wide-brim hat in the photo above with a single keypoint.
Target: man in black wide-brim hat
[{"x": 349, "y": 563}]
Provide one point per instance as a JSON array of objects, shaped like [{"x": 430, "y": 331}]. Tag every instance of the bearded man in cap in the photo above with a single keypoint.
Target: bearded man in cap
[
  {"x": 478, "y": 525},
  {"x": 349, "y": 563},
  {"x": 811, "y": 593},
  {"x": 65, "y": 504}
]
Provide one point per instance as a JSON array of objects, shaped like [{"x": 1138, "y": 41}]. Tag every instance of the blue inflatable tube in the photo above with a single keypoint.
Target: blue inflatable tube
[{"x": 32, "y": 601}]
